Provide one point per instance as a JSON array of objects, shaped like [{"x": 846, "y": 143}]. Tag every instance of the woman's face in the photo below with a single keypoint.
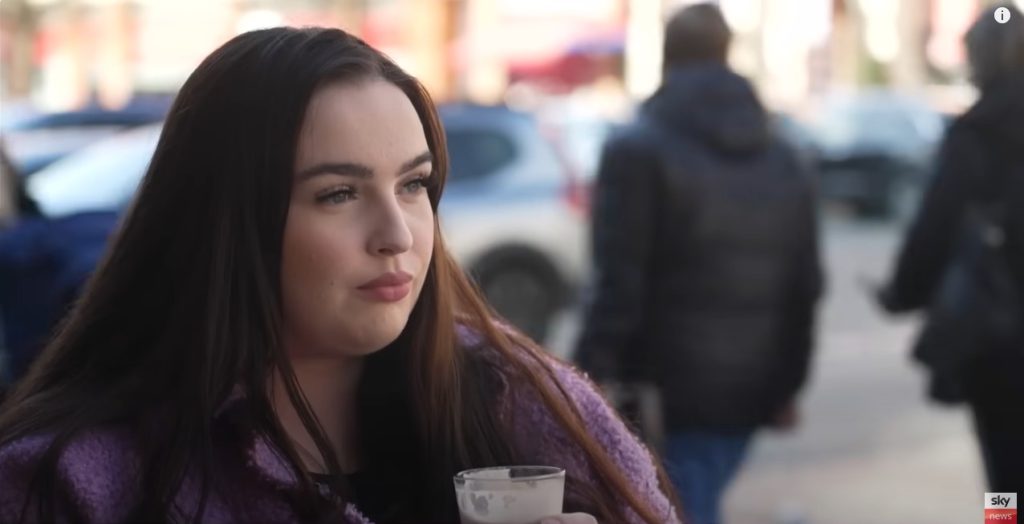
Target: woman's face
[{"x": 360, "y": 228}]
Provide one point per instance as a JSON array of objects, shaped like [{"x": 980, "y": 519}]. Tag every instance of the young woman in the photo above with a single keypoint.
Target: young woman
[
  {"x": 979, "y": 169},
  {"x": 278, "y": 333}
]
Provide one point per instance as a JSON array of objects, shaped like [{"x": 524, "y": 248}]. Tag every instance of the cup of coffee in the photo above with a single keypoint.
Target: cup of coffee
[{"x": 509, "y": 494}]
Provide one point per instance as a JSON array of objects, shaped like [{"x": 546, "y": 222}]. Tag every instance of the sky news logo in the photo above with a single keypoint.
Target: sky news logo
[{"x": 1000, "y": 508}]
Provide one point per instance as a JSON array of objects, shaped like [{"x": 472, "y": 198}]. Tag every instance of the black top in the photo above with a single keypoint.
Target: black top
[
  {"x": 981, "y": 159},
  {"x": 368, "y": 493}
]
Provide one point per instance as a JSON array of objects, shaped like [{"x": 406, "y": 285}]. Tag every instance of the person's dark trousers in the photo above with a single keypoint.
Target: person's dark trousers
[
  {"x": 996, "y": 397},
  {"x": 701, "y": 464},
  {"x": 1001, "y": 439}
]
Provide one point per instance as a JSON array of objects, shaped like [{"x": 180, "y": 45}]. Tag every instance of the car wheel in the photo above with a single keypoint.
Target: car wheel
[{"x": 523, "y": 294}]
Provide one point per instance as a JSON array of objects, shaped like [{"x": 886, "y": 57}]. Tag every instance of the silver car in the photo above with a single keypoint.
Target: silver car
[{"x": 514, "y": 214}]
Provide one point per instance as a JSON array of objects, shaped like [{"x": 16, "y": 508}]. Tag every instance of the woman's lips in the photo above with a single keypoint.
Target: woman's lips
[
  {"x": 387, "y": 293},
  {"x": 389, "y": 287}
]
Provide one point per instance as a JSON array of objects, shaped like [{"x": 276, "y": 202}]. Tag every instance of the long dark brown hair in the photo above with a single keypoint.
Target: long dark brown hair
[{"x": 186, "y": 306}]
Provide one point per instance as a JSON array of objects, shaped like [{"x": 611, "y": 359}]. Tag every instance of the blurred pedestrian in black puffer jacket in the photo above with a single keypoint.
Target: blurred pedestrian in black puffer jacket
[{"x": 707, "y": 263}]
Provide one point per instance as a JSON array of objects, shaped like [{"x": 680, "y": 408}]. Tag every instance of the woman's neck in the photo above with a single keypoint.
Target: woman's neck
[{"x": 330, "y": 388}]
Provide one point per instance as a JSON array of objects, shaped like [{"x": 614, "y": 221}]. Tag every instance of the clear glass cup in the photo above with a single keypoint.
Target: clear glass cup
[{"x": 509, "y": 494}]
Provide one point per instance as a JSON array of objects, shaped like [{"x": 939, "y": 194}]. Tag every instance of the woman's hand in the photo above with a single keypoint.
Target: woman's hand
[{"x": 570, "y": 518}]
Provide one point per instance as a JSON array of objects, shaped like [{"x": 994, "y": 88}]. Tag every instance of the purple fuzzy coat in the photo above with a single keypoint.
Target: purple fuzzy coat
[{"x": 99, "y": 473}]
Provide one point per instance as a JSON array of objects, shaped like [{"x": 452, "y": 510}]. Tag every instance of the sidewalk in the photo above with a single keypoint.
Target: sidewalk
[
  {"x": 872, "y": 449},
  {"x": 881, "y": 456}
]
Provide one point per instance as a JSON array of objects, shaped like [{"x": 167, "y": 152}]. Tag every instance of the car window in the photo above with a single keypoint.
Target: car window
[
  {"x": 860, "y": 124},
  {"x": 101, "y": 177},
  {"x": 476, "y": 153},
  {"x": 25, "y": 145},
  {"x": 882, "y": 128}
]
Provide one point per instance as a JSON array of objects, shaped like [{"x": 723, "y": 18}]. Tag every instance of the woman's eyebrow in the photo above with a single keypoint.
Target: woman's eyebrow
[
  {"x": 336, "y": 168},
  {"x": 360, "y": 170},
  {"x": 423, "y": 158}
]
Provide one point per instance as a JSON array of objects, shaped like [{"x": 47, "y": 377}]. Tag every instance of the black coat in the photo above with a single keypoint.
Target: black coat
[
  {"x": 981, "y": 160},
  {"x": 706, "y": 256}
]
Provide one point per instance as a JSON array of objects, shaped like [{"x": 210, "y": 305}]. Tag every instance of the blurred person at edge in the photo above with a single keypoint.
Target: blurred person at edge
[
  {"x": 10, "y": 191},
  {"x": 707, "y": 263},
  {"x": 279, "y": 334},
  {"x": 981, "y": 162},
  {"x": 8, "y": 187},
  {"x": 14, "y": 201},
  {"x": 44, "y": 262}
]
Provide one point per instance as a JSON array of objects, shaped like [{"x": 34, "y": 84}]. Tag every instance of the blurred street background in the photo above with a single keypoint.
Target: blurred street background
[{"x": 529, "y": 90}]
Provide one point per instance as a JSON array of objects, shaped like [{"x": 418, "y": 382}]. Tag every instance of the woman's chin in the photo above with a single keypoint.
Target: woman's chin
[{"x": 375, "y": 338}]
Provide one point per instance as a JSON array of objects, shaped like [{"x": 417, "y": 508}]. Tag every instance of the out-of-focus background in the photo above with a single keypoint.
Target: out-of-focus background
[{"x": 529, "y": 90}]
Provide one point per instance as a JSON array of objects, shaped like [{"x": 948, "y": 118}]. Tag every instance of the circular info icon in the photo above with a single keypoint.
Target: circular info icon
[{"x": 1002, "y": 15}]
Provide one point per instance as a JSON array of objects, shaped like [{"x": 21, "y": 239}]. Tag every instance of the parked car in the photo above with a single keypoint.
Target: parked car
[
  {"x": 579, "y": 132},
  {"x": 512, "y": 214},
  {"x": 36, "y": 140},
  {"x": 875, "y": 149}
]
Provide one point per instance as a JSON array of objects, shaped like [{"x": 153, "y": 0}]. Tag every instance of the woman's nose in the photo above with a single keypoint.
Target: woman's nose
[{"x": 391, "y": 234}]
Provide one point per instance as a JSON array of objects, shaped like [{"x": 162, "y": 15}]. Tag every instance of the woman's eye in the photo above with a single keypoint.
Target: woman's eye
[
  {"x": 337, "y": 196},
  {"x": 415, "y": 186}
]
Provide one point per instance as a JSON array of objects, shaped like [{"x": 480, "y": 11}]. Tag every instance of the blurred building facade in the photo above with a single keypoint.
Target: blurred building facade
[{"x": 65, "y": 53}]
